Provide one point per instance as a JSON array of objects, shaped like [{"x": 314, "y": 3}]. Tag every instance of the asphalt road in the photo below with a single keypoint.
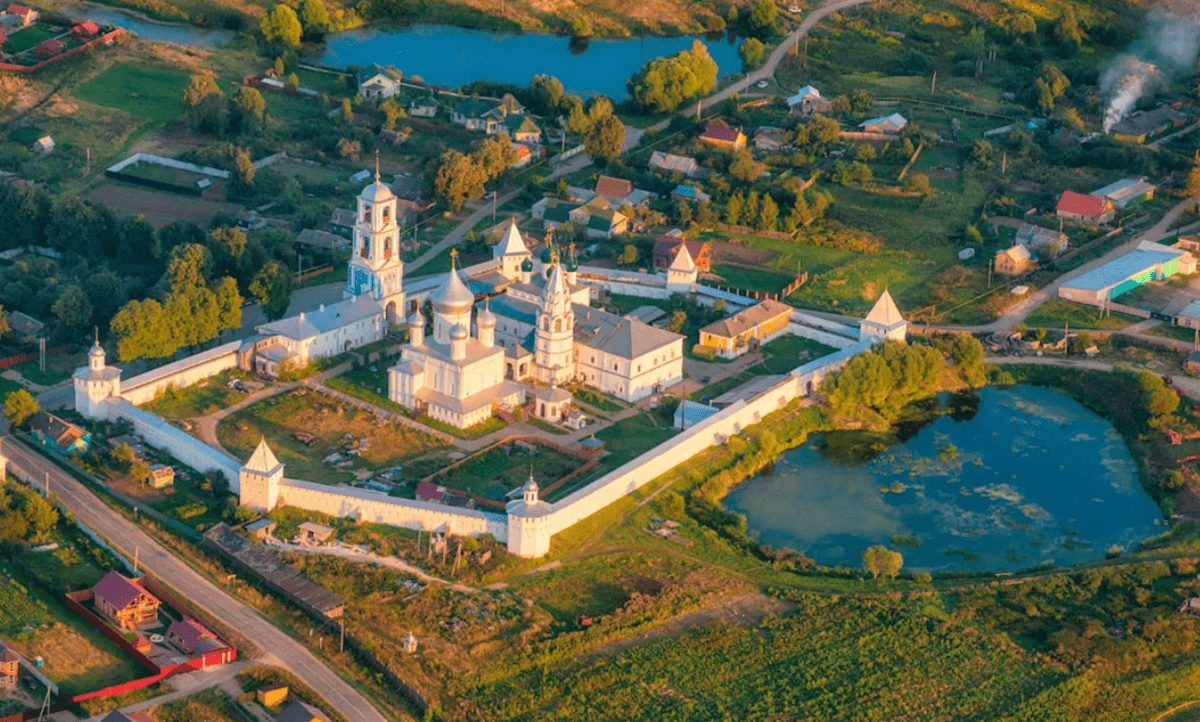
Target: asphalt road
[{"x": 280, "y": 649}]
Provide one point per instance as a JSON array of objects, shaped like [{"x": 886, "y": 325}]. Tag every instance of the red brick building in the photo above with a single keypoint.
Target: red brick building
[{"x": 666, "y": 247}]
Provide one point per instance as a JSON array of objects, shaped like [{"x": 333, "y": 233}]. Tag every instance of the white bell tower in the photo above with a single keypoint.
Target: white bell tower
[
  {"x": 554, "y": 339},
  {"x": 375, "y": 266}
]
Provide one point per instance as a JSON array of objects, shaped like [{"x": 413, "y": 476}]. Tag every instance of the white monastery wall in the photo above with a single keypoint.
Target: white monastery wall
[
  {"x": 188, "y": 449},
  {"x": 185, "y": 372},
  {"x": 379, "y": 508},
  {"x": 816, "y": 334}
]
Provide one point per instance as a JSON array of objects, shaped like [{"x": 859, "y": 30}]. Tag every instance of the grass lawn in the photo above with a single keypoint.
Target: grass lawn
[
  {"x": 337, "y": 429},
  {"x": 749, "y": 279},
  {"x": 165, "y": 174},
  {"x": 7, "y": 387},
  {"x": 717, "y": 388},
  {"x": 483, "y": 428},
  {"x": 199, "y": 399},
  {"x": 208, "y": 705},
  {"x": 59, "y": 368},
  {"x": 1056, "y": 313},
  {"x": 632, "y": 437},
  {"x": 594, "y": 398},
  {"x": 156, "y": 98},
  {"x": 497, "y": 471},
  {"x": 26, "y": 38},
  {"x": 787, "y": 352}
]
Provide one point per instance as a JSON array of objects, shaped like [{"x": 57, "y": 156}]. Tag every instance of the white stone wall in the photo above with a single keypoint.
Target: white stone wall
[
  {"x": 193, "y": 369},
  {"x": 378, "y": 508},
  {"x": 816, "y": 334},
  {"x": 188, "y": 449}
]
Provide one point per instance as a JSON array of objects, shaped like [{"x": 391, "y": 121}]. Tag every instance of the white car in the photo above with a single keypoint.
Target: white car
[{"x": 762, "y": 83}]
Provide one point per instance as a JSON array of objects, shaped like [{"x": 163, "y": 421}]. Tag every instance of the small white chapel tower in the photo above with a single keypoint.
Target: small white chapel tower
[
  {"x": 529, "y": 523},
  {"x": 683, "y": 271},
  {"x": 884, "y": 322},
  {"x": 511, "y": 252},
  {"x": 96, "y": 383},
  {"x": 375, "y": 266},
  {"x": 259, "y": 479}
]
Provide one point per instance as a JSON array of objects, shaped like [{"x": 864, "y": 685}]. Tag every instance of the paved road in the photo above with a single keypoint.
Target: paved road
[
  {"x": 767, "y": 71},
  {"x": 280, "y": 649}
]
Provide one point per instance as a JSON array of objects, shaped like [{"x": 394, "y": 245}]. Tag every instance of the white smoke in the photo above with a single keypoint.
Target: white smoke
[{"x": 1169, "y": 44}]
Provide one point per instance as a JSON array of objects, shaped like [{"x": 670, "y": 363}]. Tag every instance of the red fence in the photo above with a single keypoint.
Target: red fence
[
  {"x": 90, "y": 44},
  {"x": 14, "y": 360}
]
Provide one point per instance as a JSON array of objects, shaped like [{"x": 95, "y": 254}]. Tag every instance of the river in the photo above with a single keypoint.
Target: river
[
  {"x": 450, "y": 56},
  {"x": 1027, "y": 477}
]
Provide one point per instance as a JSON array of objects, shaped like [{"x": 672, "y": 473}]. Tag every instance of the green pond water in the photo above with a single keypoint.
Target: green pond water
[{"x": 1002, "y": 480}]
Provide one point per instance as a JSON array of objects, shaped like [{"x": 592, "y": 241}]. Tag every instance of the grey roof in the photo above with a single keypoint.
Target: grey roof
[
  {"x": 1125, "y": 190},
  {"x": 375, "y": 69},
  {"x": 321, "y": 239},
  {"x": 314, "y": 323},
  {"x": 342, "y": 217},
  {"x": 425, "y": 101},
  {"x": 261, "y": 524},
  {"x": 1144, "y": 123},
  {"x": 693, "y": 412},
  {"x": 297, "y": 711},
  {"x": 1029, "y": 234},
  {"x": 616, "y": 335},
  {"x": 1192, "y": 310},
  {"x": 552, "y": 395},
  {"x": 27, "y": 325},
  {"x": 646, "y": 314},
  {"x": 1131, "y": 264}
]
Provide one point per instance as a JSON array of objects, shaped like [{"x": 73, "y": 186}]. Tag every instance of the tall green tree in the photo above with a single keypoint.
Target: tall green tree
[
  {"x": 20, "y": 407},
  {"x": 247, "y": 111},
  {"x": 315, "y": 18},
  {"x": 665, "y": 83},
  {"x": 272, "y": 287},
  {"x": 880, "y": 560},
  {"x": 281, "y": 26},
  {"x": 459, "y": 178},
  {"x": 606, "y": 138},
  {"x": 752, "y": 52},
  {"x": 72, "y": 307},
  {"x": 762, "y": 19},
  {"x": 202, "y": 104},
  {"x": 768, "y": 214},
  {"x": 547, "y": 93}
]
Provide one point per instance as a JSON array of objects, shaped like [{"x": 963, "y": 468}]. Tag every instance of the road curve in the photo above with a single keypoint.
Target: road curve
[
  {"x": 769, "y": 67},
  {"x": 280, "y": 649}
]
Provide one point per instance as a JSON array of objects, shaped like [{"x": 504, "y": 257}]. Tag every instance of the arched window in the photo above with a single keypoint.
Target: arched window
[
  {"x": 366, "y": 214},
  {"x": 366, "y": 249},
  {"x": 387, "y": 215},
  {"x": 545, "y": 323},
  {"x": 558, "y": 324},
  {"x": 387, "y": 247}
]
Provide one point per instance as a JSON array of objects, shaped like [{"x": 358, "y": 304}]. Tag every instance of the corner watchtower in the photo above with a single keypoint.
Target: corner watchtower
[{"x": 259, "y": 480}]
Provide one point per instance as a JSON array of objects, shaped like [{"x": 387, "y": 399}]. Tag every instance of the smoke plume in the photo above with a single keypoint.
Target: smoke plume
[{"x": 1169, "y": 44}]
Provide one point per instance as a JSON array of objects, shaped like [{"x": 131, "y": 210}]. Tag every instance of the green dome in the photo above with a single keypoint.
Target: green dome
[
  {"x": 527, "y": 265},
  {"x": 547, "y": 254}
]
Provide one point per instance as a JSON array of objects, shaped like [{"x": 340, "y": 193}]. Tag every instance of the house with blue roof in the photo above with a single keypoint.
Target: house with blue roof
[{"x": 1149, "y": 262}]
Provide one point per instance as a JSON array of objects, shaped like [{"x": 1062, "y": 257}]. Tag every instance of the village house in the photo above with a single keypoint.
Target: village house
[
  {"x": 20, "y": 15},
  {"x": 476, "y": 114},
  {"x": 10, "y": 665},
  {"x": 425, "y": 106},
  {"x": 85, "y": 30},
  {"x": 596, "y": 217},
  {"x": 60, "y": 436},
  {"x": 193, "y": 638},
  {"x": 44, "y": 145},
  {"x": 524, "y": 156},
  {"x": 322, "y": 239},
  {"x": 770, "y": 138},
  {"x": 1015, "y": 261},
  {"x": 520, "y": 128},
  {"x": 342, "y": 221},
  {"x": 620, "y": 192},
  {"x": 376, "y": 82},
  {"x": 747, "y": 330},
  {"x": 123, "y": 602},
  {"x": 272, "y": 695},
  {"x": 49, "y": 48},
  {"x": 722, "y": 136},
  {"x": 161, "y": 476},
  {"x": 1079, "y": 208},
  {"x": 893, "y": 124},
  {"x": 313, "y": 533},
  {"x": 808, "y": 101},
  {"x": 1127, "y": 192},
  {"x": 1143, "y": 124},
  {"x": 667, "y": 246},
  {"x": 26, "y": 327},
  {"x": 683, "y": 192},
  {"x": 669, "y": 163},
  {"x": 1043, "y": 242},
  {"x": 250, "y": 221}
]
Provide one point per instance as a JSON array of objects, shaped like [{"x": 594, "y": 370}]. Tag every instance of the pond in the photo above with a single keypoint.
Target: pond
[
  {"x": 1007, "y": 480},
  {"x": 146, "y": 29},
  {"x": 449, "y": 56}
]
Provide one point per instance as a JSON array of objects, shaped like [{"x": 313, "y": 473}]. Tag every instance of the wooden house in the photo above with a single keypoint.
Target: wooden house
[{"x": 123, "y": 602}]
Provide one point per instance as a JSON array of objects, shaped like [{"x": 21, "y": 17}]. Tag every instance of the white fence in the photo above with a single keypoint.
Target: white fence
[
  {"x": 168, "y": 162},
  {"x": 178, "y": 374}
]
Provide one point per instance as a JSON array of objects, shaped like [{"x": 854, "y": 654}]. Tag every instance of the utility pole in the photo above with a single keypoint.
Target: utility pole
[
  {"x": 47, "y": 485},
  {"x": 990, "y": 262},
  {"x": 42, "y": 353},
  {"x": 136, "y": 551},
  {"x": 342, "y": 641},
  {"x": 1004, "y": 163},
  {"x": 933, "y": 85}
]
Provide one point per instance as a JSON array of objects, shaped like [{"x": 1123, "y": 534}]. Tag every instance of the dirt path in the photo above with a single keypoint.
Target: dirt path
[{"x": 748, "y": 610}]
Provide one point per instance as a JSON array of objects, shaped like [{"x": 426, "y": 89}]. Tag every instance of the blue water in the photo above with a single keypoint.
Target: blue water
[
  {"x": 451, "y": 57},
  {"x": 187, "y": 35},
  {"x": 1038, "y": 478}
]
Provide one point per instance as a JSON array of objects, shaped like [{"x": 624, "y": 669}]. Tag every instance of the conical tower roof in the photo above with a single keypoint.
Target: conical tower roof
[
  {"x": 683, "y": 260},
  {"x": 263, "y": 460},
  {"x": 556, "y": 285},
  {"x": 885, "y": 312},
  {"x": 512, "y": 244},
  {"x": 453, "y": 295}
]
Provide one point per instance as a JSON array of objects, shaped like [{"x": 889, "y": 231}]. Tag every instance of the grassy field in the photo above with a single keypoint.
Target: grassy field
[
  {"x": 498, "y": 471},
  {"x": 1057, "y": 313},
  {"x": 209, "y": 705},
  {"x": 787, "y": 352},
  {"x": 337, "y": 428},
  {"x": 632, "y": 437},
  {"x": 153, "y": 94},
  {"x": 752, "y": 280},
  {"x": 26, "y": 38},
  {"x": 199, "y": 399}
]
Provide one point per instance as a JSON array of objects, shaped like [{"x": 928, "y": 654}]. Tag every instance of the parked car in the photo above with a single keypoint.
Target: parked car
[
  {"x": 705, "y": 379},
  {"x": 762, "y": 83}
]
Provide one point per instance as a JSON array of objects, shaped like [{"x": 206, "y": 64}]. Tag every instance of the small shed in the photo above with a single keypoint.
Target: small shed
[
  {"x": 1192, "y": 364},
  {"x": 262, "y": 528},
  {"x": 593, "y": 445},
  {"x": 410, "y": 643},
  {"x": 44, "y": 145},
  {"x": 551, "y": 404},
  {"x": 313, "y": 532},
  {"x": 272, "y": 695},
  {"x": 966, "y": 253},
  {"x": 161, "y": 476},
  {"x": 360, "y": 176}
]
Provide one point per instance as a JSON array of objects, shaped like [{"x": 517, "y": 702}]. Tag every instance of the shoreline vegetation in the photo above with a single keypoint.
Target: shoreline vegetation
[{"x": 596, "y": 21}]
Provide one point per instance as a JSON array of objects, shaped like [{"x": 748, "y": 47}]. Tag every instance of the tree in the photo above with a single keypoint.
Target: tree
[
  {"x": 881, "y": 560},
  {"x": 860, "y": 102},
  {"x": 1192, "y": 186},
  {"x": 733, "y": 209},
  {"x": 248, "y": 111},
  {"x": 189, "y": 268},
  {"x": 664, "y": 83},
  {"x": 72, "y": 307},
  {"x": 768, "y": 213},
  {"x": 39, "y": 513},
  {"x": 347, "y": 112},
  {"x": 349, "y": 148},
  {"x": 972, "y": 235},
  {"x": 917, "y": 183},
  {"x": 678, "y": 321},
  {"x": 744, "y": 167},
  {"x": 20, "y": 407},
  {"x": 293, "y": 81},
  {"x": 139, "y": 471},
  {"x": 229, "y": 304},
  {"x": 227, "y": 246},
  {"x": 314, "y": 17},
  {"x": 547, "y": 93},
  {"x": 244, "y": 168},
  {"x": 272, "y": 287},
  {"x": 1022, "y": 24},
  {"x": 392, "y": 113},
  {"x": 282, "y": 27},
  {"x": 1067, "y": 32},
  {"x": 581, "y": 27},
  {"x": 752, "y": 52},
  {"x": 981, "y": 153},
  {"x": 761, "y": 22},
  {"x": 606, "y": 138},
  {"x": 495, "y": 155},
  {"x": 4, "y": 327},
  {"x": 864, "y": 152},
  {"x": 966, "y": 352},
  {"x": 458, "y": 179},
  {"x": 202, "y": 103},
  {"x": 629, "y": 255}
]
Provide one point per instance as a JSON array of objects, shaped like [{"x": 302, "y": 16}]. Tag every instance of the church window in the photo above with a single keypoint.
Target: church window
[
  {"x": 387, "y": 215},
  {"x": 639, "y": 368},
  {"x": 366, "y": 214},
  {"x": 387, "y": 247},
  {"x": 558, "y": 324},
  {"x": 366, "y": 249}
]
